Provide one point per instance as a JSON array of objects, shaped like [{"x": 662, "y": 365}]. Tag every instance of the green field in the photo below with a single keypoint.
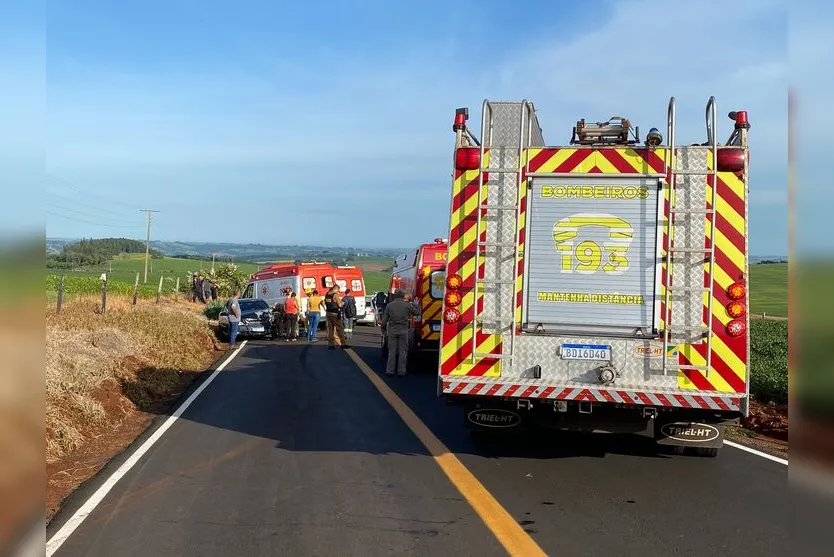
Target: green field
[
  {"x": 769, "y": 289},
  {"x": 123, "y": 268}
]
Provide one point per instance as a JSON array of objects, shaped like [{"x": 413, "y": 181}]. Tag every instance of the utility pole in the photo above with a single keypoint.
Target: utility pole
[
  {"x": 148, "y": 240},
  {"x": 212, "y": 263}
]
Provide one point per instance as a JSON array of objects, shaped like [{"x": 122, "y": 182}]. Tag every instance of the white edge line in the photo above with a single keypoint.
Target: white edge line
[
  {"x": 755, "y": 452},
  {"x": 90, "y": 504}
]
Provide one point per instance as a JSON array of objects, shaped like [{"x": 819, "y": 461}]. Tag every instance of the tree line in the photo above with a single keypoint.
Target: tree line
[{"x": 87, "y": 252}]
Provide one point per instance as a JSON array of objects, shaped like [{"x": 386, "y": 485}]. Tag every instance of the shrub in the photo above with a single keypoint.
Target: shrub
[
  {"x": 769, "y": 359},
  {"x": 212, "y": 309}
]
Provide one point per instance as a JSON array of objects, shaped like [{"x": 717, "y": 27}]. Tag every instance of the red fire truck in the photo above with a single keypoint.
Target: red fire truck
[
  {"x": 274, "y": 282},
  {"x": 422, "y": 273},
  {"x": 600, "y": 285}
]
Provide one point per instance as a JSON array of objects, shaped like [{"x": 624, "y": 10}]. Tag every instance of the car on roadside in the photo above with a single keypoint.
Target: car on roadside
[
  {"x": 255, "y": 320},
  {"x": 370, "y": 313}
]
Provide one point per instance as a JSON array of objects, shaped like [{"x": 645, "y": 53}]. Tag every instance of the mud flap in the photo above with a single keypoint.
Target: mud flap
[{"x": 686, "y": 433}]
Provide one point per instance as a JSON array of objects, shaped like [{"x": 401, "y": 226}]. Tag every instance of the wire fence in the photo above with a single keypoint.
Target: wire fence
[{"x": 63, "y": 288}]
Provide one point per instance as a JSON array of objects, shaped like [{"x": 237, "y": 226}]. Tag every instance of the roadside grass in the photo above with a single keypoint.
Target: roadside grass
[
  {"x": 769, "y": 289},
  {"x": 100, "y": 368}
]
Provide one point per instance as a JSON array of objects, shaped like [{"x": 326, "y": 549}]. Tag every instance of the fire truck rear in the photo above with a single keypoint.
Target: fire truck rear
[
  {"x": 599, "y": 286},
  {"x": 422, "y": 273}
]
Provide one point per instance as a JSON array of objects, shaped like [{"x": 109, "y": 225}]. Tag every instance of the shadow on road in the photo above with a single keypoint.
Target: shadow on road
[{"x": 307, "y": 398}]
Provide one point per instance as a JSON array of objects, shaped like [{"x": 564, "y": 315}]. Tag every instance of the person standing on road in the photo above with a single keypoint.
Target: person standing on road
[
  {"x": 396, "y": 326},
  {"x": 349, "y": 312},
  {"x": 314, "y": 302},
  {"x": 333, "y": 308},
  {"x": 233, "y": 308},
  {"x": 291, "y": 310}
]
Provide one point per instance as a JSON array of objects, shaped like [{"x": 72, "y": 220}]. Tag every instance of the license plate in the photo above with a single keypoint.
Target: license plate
[
  {"x": 592, "y": 352},
  {"x": 435, "y": 328},
  {"x": 256, "y": 329}
]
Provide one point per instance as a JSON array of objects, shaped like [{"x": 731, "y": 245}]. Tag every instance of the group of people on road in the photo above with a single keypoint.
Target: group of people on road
[
  {"x": 340, "y": 316},
  {"x": 202, "y": 289}
]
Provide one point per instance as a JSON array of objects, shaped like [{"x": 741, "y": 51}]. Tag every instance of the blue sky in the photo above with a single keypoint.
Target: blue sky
[{"x": 330, "y": 124}]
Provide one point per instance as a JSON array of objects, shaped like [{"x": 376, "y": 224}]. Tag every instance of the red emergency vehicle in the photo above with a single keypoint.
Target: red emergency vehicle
[
  {"x": 274, "y": 282},
  {"x": 600, "y": 285},
  {"x": 422, "y": 273}
]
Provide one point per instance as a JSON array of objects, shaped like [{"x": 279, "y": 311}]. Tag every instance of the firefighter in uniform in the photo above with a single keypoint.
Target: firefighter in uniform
[{"x": 395, "y": 325}]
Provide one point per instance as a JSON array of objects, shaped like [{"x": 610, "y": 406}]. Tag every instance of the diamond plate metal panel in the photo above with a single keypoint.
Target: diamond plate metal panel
[{"x": 638, "y": 362}]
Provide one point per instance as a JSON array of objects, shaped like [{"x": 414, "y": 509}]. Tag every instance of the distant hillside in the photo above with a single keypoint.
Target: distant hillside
[
  {"x": 94, "y": 252},
  {"x": 265, "y": 252}
]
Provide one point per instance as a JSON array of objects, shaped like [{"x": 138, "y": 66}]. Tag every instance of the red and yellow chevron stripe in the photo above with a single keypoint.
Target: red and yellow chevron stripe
[
  {"x": 430, "y": 308},
  {"x": 729, "y": 354}
]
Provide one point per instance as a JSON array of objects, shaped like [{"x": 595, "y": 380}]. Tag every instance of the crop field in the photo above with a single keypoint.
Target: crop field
[
  {"x": 123, "y": 268},
  {"x": 769, "y": 289}
]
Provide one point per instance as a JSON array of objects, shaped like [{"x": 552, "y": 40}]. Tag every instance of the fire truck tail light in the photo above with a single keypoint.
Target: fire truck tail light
[
  {"x": 736, "y": 328},
  {"x": 453, "y": 299},
  {"x": 731, "y": 160},
  {"x": 451, "y": 316},
  {"x": 453, "y": 282},
  {"x": 736, "y": 309},
  {"x": 737, "y": 291},
  {"x": 468, "y": 158}
]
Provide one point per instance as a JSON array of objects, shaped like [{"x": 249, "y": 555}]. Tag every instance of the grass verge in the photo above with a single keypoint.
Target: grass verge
[{"x": 104, "y": 370}]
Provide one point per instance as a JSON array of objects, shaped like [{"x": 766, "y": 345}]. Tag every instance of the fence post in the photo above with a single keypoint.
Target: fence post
[
  {"x": 60, "y": 294},
  {"x": 136, "y": 289},
  {"x": 177, "y": 290},
  {"x": 103, "y": 293},
  {"x": 159, "y": 289}
]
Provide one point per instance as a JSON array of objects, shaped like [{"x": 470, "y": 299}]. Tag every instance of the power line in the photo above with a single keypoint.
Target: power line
[
  {"x": 73, "y": 219},
  {"x": 86, "y": 205},
  {"x": 85, "y": 214},
  {"x": 89, "y": 193}
]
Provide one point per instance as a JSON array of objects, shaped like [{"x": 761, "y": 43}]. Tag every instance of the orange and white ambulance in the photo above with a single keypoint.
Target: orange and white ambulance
[
  {"x": 422, "y": 273},
  {"x": 273, "y": 282},
  {"x": 600, "y": 285}
]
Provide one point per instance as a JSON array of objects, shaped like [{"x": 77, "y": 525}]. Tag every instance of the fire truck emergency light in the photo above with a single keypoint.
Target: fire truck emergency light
[
  {"x": 468, "y": 158},
  {"x": 736, "y": 328}
]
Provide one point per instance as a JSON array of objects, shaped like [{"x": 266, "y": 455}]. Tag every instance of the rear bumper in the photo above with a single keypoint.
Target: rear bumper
[{"x": 483, "y": 387}]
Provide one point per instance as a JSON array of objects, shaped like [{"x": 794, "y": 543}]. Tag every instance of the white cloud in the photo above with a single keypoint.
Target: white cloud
[{"x": 382, "y": 127}]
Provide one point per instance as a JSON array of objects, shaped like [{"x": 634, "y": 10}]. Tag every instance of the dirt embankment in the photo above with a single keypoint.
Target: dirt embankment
[{"x": 108, "y": 375}]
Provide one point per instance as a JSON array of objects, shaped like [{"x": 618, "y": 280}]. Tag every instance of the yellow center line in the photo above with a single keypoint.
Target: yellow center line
[{"x": 503, "y": 526}]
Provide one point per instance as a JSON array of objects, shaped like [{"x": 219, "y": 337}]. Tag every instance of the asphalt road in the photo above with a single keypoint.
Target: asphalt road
[{"x": 291, "y": 450}]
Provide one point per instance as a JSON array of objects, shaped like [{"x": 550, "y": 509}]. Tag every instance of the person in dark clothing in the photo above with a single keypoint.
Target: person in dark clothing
[
  {"x": 206, "y": 290},
  {"x": 396, "y": 327},
  {"x": 213, "y": 291},
  {"x": 348, "y": 313},
  {"x": 333, "y": 308}
]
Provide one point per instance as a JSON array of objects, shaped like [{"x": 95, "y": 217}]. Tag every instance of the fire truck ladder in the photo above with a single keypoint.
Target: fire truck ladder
[
  {"x": 709, "y": 251},
  {"x": 487, "y": 124}
]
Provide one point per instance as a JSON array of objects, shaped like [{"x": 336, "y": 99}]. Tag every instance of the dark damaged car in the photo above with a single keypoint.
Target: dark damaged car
[{"x": 255, "y": 320}]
